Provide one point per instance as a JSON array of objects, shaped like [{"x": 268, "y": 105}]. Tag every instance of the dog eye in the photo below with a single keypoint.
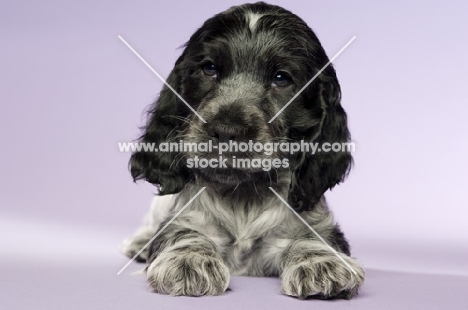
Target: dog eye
[
  {"x": 210, "y": 70},
  {"x": 281, "y": 79}
]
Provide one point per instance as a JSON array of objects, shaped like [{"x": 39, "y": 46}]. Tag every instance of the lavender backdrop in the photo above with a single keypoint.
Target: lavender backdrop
[{"x": 70, "y": 91}]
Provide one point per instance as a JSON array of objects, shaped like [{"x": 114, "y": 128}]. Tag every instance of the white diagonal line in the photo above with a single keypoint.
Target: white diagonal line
[
  {"x": 160, "y": 77},
  {"x": 161, "y": 230},
  {"x": 313, "y": 78},
  {"x": 313, "y": 230}
]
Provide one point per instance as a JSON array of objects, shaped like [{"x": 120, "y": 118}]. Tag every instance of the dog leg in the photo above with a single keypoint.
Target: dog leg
[{"x": 159, "y": 211}]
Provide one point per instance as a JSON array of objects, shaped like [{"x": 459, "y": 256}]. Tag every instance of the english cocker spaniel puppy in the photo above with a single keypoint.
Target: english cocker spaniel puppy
[{"x": 237, "y": 72}]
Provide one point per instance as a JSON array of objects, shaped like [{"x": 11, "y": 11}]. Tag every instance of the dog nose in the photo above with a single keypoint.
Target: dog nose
[{"x": 225, "y": 133}]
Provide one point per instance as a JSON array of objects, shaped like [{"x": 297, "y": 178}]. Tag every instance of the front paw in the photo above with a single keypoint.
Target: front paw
[
  {"x": 188, "y": 273},
  {"x": 322, "y": 277}
]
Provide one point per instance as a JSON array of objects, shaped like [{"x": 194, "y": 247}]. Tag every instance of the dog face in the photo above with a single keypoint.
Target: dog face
[{"x": 237, "y": 72}]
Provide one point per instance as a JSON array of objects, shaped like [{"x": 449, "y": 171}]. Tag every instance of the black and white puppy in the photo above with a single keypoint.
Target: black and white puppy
[{"x": 237, "y": 71}]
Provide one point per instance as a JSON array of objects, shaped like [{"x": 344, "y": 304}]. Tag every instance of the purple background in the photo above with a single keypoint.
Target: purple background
[{"x": 71, "y": 90}]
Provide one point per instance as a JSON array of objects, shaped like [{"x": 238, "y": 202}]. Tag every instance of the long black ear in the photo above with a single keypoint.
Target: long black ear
[
  {"x": 316, "y": 173},
  {"x": 165, "y": 120}
]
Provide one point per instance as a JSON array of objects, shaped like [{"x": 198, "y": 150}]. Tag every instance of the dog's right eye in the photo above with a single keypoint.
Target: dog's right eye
[
  {"x": 281, "y": 79},
  {"x": 210, "y": 70}
]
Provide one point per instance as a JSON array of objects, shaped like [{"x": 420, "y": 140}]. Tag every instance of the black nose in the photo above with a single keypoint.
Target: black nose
[{"x": 225, "y": 133}]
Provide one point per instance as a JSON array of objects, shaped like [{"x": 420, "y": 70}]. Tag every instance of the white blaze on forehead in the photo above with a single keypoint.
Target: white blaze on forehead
[{"x": 253, "y": 18}]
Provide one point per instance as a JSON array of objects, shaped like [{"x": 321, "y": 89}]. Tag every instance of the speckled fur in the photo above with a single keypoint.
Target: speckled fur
[{"x": 237, "y": 226}]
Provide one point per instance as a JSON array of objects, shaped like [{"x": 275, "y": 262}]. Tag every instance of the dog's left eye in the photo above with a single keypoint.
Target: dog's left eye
[
  {"x": 281, "y": 79},
  {"x": 210, "y": 70}
]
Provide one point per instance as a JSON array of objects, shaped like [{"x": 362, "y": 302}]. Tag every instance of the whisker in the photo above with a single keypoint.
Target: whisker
[{"x": 253, "y": 181}]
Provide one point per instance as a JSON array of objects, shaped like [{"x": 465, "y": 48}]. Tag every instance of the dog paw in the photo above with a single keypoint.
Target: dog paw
[
  {"x": 323, "y": 277},
  {"x": 189, "y": 273}
]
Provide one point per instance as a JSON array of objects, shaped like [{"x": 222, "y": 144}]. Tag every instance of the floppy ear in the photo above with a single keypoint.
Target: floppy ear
[
  {"x": 166, "y": 170},
  {"x": 316, "y": 173}
]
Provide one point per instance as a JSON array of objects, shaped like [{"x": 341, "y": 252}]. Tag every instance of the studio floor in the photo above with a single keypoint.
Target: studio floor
[
  {"x": 45, "y": 266},
  {"x": 60, "y": 286}
]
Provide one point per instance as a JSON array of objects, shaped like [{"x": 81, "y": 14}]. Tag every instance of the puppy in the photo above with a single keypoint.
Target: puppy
[{"x": 236, "y": 73}]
